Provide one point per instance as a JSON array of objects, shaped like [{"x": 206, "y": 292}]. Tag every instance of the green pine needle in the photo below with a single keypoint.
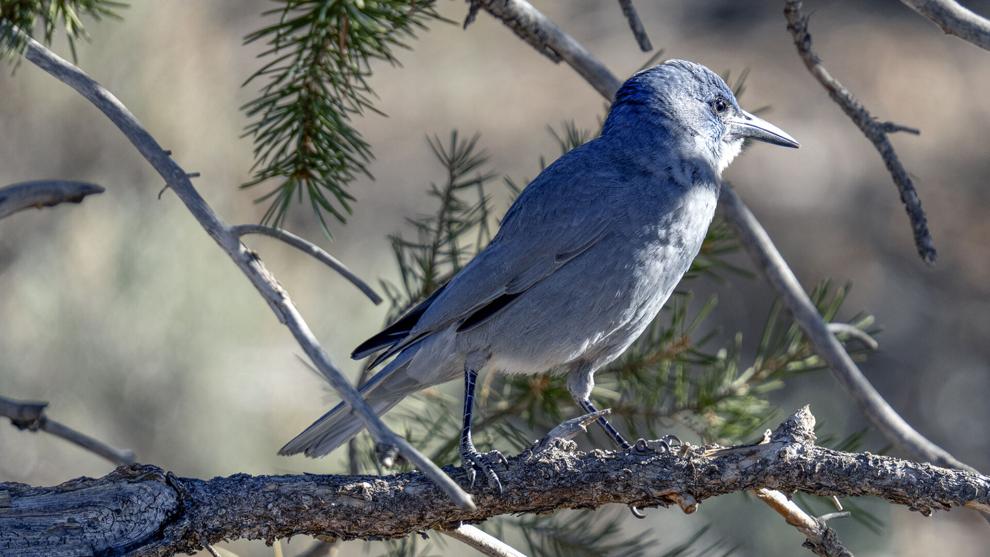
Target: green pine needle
[
  {"x": 316, "y": 65},
  {"x": 49, "y": 15}
]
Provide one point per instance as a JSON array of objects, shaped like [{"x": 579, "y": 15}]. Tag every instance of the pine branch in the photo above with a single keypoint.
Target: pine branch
[
  {"x": 50, "y": 15},
  {"x": 316, "y": 64}
]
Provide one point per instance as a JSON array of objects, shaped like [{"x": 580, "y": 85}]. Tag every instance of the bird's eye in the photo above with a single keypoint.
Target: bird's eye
[{"x": 720, "y": 105}]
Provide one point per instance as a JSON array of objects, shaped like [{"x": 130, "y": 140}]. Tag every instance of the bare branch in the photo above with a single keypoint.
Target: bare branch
[
  {"x": 771, "y": 262},
  {"x": 247, "y": 261},
  {"x": 485, "y": 544},
  {"x": 157, "y": 513},
  {"x": 30, "y": 415},
  {"x": 821, "y": 539},
  {"x": 761, "y": 249},
  {"x": 543, "y": 34},
  {"x": 636, "y": 25},
  {"x": 954, "y": 19},
  {"x": 873, "y": 129},
  {"x": 311, "y": 249},
  {"x": 43, "y": 193},
  {"x": 845, "y": 329}
]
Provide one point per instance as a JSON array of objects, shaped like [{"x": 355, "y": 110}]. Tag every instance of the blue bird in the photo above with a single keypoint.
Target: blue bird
[{"x": 582, "y": 263}]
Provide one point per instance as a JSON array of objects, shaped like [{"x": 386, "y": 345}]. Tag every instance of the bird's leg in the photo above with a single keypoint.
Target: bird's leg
[
  {"x": 472, "y": 460},
  {"x": 617, "y": 437},
  {"x": 580, "y": 382}
]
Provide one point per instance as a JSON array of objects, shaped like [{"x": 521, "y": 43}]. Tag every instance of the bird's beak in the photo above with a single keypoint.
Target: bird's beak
[{"x": 745, "y": 125}]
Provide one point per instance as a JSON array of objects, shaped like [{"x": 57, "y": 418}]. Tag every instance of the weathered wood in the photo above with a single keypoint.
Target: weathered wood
[{"x": 142, "y": 510}]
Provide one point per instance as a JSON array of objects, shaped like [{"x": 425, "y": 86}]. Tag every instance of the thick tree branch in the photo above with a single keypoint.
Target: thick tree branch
[
  {"x": 246, "y": 260},
  {"x": 313, "y": 250},
  {"x": 157, "y": 513},
  {"x": 764, "y": 254},
  {"x": 43, "y": 193},
  {"x": 874, "y": 130},
  {"x": 30, "y": 415},
  {"x": 954, "y": 19}
]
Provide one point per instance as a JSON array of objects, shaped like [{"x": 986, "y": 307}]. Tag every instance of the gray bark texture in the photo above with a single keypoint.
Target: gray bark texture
[{"x": 143, "y": 510}]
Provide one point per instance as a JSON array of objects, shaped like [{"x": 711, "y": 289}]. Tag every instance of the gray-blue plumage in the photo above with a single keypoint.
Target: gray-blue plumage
[{"x": 584, "y": 259}]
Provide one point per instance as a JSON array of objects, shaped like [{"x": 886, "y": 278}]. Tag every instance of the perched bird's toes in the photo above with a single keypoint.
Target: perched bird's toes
[
  {"x": 475, "y": 462},
  {"x": 668, "y": 442}
]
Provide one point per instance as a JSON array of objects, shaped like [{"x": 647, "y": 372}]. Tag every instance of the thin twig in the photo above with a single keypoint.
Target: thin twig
[
  {"x": 311, "y": 249},
  {"x": 845, "y": 329},
  {"x": 486, "y": 544},
  {"x": 821, "y": 539},
  {"x": 43, "y": 193},
  {"x": 30, "y": 415},
  {"x": 636, "y": 25},
  {"x": 873, "y": 129},
  {"x": 246, "y": 260},
  {"x": 954, "y": 19},
  {"x": 769, "y": 260}
]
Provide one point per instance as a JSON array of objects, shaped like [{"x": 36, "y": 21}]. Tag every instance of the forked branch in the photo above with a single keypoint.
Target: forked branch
[
  {"x": 874, "y": 130},
  {"x": 30, "y": 415},
  {"x": 247, "y": 261}
]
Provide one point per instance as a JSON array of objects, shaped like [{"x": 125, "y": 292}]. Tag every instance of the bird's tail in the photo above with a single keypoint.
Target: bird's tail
[{"x": 336, "y": 427}]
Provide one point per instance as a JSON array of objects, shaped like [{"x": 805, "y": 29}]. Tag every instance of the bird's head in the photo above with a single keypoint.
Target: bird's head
[{"x": 693, "y": 108}]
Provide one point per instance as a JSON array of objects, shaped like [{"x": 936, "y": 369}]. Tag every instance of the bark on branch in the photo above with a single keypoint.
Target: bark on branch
[{"x": 143, "y": 510}]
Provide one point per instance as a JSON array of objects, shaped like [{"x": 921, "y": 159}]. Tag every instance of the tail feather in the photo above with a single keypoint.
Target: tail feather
[{"x": 382, "y": 392}]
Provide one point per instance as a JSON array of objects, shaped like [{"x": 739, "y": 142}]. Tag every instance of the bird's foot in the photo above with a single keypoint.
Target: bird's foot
[
  {"x": 666, "y": 444},
  {"x": 475, "y": 462}
]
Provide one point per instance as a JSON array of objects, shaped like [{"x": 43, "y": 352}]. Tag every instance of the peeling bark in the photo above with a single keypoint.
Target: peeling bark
[{"x": 143, "y": 510}]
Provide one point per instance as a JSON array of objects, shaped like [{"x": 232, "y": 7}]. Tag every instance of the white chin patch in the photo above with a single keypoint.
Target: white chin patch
[{"x": 730, "y": 149}]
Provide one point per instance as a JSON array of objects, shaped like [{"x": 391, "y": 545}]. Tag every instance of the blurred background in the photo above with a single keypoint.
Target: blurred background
[{"x": 125, "y": 316}]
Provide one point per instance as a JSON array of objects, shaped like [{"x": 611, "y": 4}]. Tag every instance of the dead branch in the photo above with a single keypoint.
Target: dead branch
[
  {"x": 43, "y": 193},
  {"x": 30, "y": 415},
  {"x": 157, "y": 513},
  {"x": 311, "y": 249},
  {"x": 820, "y": 539},
  {"x": 483, "y": 543},
  {"x": 874, "y": 130},
  {"x": 636, "y": 25},
  {"x": 954, "y": 19},
  {"x": 246, "y": 260}
]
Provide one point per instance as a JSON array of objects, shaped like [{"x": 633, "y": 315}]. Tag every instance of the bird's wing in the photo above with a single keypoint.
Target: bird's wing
[
  {"x": 561, "y": 214},
  {"x": 552, "y": 222}
]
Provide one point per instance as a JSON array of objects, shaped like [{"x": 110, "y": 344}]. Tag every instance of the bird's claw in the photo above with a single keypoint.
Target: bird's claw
[
  {"x": 665, "y": 444},
  {"x": 668, "y": 442},
  {"x": 474, "y": 462}
]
